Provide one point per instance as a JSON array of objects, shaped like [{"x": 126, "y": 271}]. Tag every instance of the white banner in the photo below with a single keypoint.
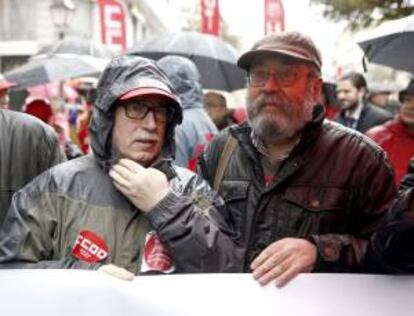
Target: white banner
[{"x": 78, "y": 293}]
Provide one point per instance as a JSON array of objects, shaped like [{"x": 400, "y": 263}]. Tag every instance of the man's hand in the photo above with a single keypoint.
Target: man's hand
[
  {"x": 117, "y": 272},
  {"x": 283, "y": 260},
  {"x": 144, "y": 187}
]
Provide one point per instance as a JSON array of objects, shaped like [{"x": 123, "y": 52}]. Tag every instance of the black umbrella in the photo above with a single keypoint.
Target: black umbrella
[
  {"x": 215, "y": 59},
  {"x": 78, "y": 46},
  {"x": 51, "y": 68},
  {"x": 391, "y": 44}
]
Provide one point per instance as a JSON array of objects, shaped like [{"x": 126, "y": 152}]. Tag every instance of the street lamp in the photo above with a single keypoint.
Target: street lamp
[{"x": 62, "y": 12}]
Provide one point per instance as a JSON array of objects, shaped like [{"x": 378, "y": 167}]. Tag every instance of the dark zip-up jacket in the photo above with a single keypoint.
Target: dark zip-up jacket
[
  {"x": 47, "y": 217},
  {"x": 391, "y": 247},
  {"x": 333, "y": 189}
]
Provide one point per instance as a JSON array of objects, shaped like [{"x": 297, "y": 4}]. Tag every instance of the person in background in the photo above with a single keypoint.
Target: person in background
[
  {"x": 197, "y": 128},
  {"x": 42, "y": 109},
  {"x": 27, "y": 148},
  {"x": 356, "y": 112},
  {"x": 125, "y": 209},
  {"x": 216, "y": 105},
  {"x": 384, "y": 98},
  {"x": 396, "y": 137},
  {"x": 4, "y": 92},
  {"x": 329, "y": 101},
  {"x": 298, "y": 188}
]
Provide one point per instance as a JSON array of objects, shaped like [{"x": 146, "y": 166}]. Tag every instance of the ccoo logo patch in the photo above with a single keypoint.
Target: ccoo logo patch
[
  {"x": 89, "y": 247},
  {"x": 156, "y": 256}
]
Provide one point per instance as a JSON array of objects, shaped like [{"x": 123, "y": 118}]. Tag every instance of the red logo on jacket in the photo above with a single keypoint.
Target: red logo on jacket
[
  {"x": 89, "y": 247},
  {"x": 156, "y": 256}
]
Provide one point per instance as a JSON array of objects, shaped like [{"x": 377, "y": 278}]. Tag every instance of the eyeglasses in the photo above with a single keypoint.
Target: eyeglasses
[
  {"x": 284, "y": 77},
  {"x": 138, "y": 110}
]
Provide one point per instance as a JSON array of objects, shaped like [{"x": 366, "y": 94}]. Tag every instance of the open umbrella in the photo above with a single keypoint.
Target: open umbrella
[
  {"x": 78, "y": 46},
  {"x": 215, "y": 59},
  {"x": 391, "y": 44},
  {"x": 52, "y": 68}
]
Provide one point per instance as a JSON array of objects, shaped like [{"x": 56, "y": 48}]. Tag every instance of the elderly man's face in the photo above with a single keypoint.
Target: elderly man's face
[
  {"x": 4, "y": 99},
  {"x": 139, "y": 129},
  {"x": 281, "y": 97}
]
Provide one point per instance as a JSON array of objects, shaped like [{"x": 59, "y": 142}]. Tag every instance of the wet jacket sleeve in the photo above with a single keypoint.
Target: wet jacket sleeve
[
  {"x": 391, "y": 248},
  {"x": 194, "y": 226},
  {"x": 408, "y": 181},
  {"x": 370, "y": 202},
  {"x": 29, "y": 232}
]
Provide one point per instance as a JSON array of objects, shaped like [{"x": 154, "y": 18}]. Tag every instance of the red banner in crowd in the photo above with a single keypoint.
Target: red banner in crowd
[
  {"x": 210, "y": 17},
  {"x": 274, "y": 16},
  {"x": 113, "y": 30}
]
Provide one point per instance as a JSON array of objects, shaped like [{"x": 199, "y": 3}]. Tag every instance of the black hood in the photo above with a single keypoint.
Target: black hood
[{"x": 123, "y": 74}]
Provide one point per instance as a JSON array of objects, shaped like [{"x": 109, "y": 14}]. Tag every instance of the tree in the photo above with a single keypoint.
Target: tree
[{"x": 363, "y": 13}]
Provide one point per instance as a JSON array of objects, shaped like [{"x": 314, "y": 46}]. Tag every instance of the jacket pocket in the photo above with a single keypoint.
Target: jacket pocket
[
  {"x": 234, "y": 194},
  {"x": 319, "y": 210}
]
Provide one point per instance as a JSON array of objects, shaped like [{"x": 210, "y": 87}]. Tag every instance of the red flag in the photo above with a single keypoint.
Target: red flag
[
  {"x": 113, "y": 28},
  {"x": 210, "y": 17},
  {"x": 274, "y": 16}
]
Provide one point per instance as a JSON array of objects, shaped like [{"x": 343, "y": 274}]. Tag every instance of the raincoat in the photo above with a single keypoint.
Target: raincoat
[
  {"x": 76, "y": 205},
  {"x": 197, "y": 127},
  {"x": 27, "y": 148}
]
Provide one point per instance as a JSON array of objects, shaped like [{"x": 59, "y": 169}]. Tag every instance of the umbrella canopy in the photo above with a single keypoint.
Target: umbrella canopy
[
  {"x": 51, "y": 91},
  {"x": 215, "y": 59},
  {"x": 51, "y": 68},
  {"x": 391, "y": 44},
  {"x": 78, "y": 46}
]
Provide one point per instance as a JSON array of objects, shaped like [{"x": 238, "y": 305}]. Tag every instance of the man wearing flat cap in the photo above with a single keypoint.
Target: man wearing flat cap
[
  {"x": 125, "y": 208},
  {"x": 304, "y": 195}
]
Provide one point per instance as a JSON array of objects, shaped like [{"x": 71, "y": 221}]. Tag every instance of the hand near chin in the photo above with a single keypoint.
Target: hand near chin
[{"x": 144, "y": 187}]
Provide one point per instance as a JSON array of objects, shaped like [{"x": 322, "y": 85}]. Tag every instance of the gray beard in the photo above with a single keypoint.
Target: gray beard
[{"x": 283, "y": 123}]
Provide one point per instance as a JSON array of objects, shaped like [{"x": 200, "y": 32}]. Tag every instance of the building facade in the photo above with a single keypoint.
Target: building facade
[{"x": 27, "y": 25}]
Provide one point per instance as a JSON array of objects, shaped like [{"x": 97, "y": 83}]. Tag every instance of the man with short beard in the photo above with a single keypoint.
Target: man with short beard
[{"x": 299, "y": 190}]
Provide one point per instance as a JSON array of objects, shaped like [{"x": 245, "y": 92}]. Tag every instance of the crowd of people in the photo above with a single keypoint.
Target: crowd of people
[{"x": 161, "y": 178}]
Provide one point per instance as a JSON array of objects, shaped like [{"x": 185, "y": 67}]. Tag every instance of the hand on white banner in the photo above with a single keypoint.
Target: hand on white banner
[
  {"x": 144, "y": 187},
  {"x": 117, "y": 272},
  {"x": 282, "y": 260}
]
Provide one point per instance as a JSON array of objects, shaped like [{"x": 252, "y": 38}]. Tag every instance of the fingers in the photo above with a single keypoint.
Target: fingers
[
  {"x": 269, "y": 251},
  {"x": 118, "y": 178},
  {"x": 124, "y": 171},
  {"x": 130, "y": 165},
  {"x": 270, "y": 269},
  {"x": 283, "y": 260},
  {"x": 268, "y": 264},
  {"x": 117, "y": 272},
  {"x": 287, "y": 275}
]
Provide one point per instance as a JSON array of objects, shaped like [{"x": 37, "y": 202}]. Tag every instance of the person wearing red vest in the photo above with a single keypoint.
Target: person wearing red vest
[{"x": 396, "y": 137}]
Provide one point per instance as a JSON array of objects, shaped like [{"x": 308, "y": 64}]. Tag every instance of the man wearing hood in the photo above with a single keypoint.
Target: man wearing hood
[
  {"x": 126, "y": 205},
  {"x": 197, "y": 127},
  {"x": 303, "y": 195}
]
